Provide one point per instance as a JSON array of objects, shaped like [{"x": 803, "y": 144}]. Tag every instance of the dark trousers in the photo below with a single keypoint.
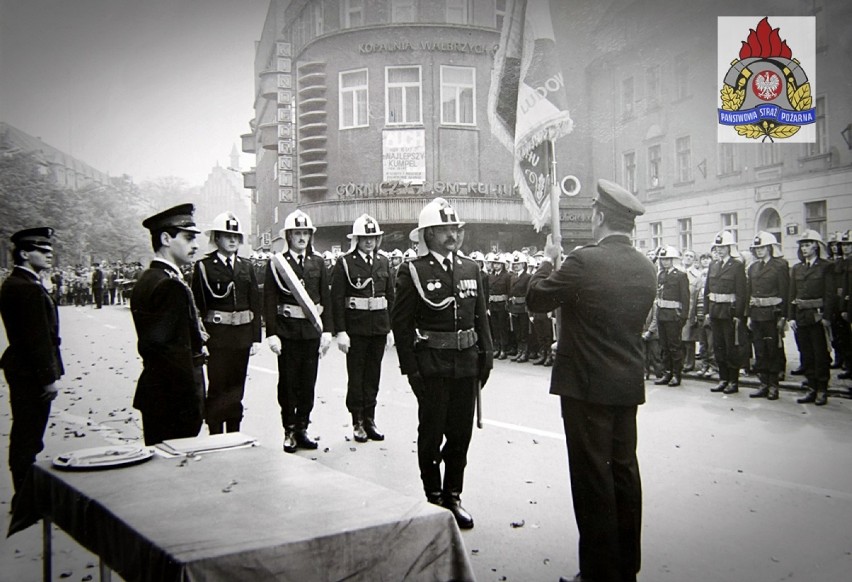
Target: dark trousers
[
  {"x": 226, "y": 376},
  {"x": 445, "y": 414},
  {"x": 671, "y": 346},
  {"x": 521, "y": 327},
  {"x": 98, "y": 292},
  {"x": 727, "y": 354},
  {"x": 542, "y": 332},
  {"x": 500, "y": 326},
  {"x": 606, "y": 488},
  {"x": 768, "y": 355},
  {"x": 813, "y": 351},
  {"x": 29, "y": 420},
  {"x": 364, "y": 368},
  {"x": 297, "y": 377},
  {"x": 165, "y": 423}
]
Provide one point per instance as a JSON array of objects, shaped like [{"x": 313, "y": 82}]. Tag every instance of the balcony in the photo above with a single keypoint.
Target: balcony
[
  {"x": 250, "y": 180},
  {"x": 269, "y": 84},
  {"x": 248, "y": 143},
  {"x": 269, "y": 135}
]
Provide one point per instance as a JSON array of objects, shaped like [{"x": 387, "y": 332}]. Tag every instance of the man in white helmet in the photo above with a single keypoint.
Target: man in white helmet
[
  {"x": 672, "y": 309},
  {"x": 724, "y": 303},
  {"x": 229, "y": 303},
  {"x": 499, "y": 282},
  {"x": 297, "y": 311},
  {"x": 362, "y": 294},
  {"x": 811, "y": 305},
  {"x": 768, "y": 285},
  {"x": 518, "y": 316},
  {"x": 443, "y": 342}
]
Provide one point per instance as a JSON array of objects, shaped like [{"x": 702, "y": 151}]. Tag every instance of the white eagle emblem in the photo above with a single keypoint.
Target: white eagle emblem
[{"x": 767, "y": 84}]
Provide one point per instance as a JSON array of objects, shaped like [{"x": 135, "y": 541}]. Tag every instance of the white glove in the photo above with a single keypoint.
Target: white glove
[
  {"x": 274, "y": 344},
  {"x": 391, "y": 341},
  {"x": 793, "y": 325},
  {"x": 325, "y": 343},
  {"x": 343, "y": 342},
  {"x": 254, "y": 348}
]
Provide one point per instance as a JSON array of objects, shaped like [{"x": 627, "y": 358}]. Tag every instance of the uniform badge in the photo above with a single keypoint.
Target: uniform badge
[
  {"x": 433, "y": 284},
  {"x": 467, "y": 288}
]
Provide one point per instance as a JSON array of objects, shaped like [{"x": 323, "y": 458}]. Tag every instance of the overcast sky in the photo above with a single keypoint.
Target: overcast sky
[{"x": 144, "y": 87}]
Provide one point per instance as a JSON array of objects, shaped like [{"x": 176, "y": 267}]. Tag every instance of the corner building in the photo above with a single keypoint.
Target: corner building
[{"x": 378, "y": 106}]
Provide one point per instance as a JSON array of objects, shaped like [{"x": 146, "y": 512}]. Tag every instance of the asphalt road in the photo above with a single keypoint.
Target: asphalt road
[{"x": 734, "y": 488}]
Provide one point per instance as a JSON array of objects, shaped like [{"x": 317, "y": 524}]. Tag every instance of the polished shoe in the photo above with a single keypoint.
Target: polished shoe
[
  {"x": 800, "y": 371},
  {"x": 675, "y": 381},
  {"x": 542, "y": 357},
  {"x": 358, "y": 432},
  {"x": 289, "y": 441},
  {"x": 708, "y": 373},
  {"x": 548, "y": 362},
  {"x": 523, "y": 357},
  {"x": 664, "y": 380},
  {"x": 303, "y": 441},
  {"x": 501, "y": 355},
  {"x": 720, "y": 387},
  {"x": 435, "y": 498},
  {"x": 807, "y": 398},
  {"x": 372, "y": 432},
  {"x": 463, "y": 518},
  {"x": 732, "y": 388},
  {"x": 773, "y": 393},
  {"x": 761, "y": 392},
  {"x": 845, "y": 375},
  {"x": 821, "y": 398}
]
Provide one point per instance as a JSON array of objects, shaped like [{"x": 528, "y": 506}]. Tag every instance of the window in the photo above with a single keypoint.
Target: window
[
  {"x": 727, "y": 159},
  {"x": 499, "y": 13},
  {"x": 403, "y": 11},
  {"x": 630, "y": 171},
  {"x": 684, "y": 159},
  {"x": 458, "y": 95},
  {"x": 656, "y": 234},
  {"x": 627, "y": 97},
  {"x": 767, "y": 154},
  {"x": 655, "y": 166},
  {"x": 402, "y": 95},
  {"x": 821, "y": 144},
  {"x": 457, "y": 12},
  {"x": 684, "y": 233},
  {"x": 353, "y": 99},
  {"x": 318, "y": 19},
  {"x": 353, "y": 13},
  {"x": 815, "y": 213},
  {"x": 730, "y": 223},
  {"x": 681, "y": 77},
  {"x": 653, "y": 86}
]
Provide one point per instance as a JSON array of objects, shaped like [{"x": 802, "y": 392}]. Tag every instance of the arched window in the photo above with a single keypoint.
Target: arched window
[{"x": 770, "y": 221}]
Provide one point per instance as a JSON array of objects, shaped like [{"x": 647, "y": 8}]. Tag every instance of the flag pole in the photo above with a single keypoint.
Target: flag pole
[{"x": 555, "y": 226}]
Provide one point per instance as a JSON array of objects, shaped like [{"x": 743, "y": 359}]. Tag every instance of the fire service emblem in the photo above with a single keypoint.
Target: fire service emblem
[{"x": 765, "y": 93}]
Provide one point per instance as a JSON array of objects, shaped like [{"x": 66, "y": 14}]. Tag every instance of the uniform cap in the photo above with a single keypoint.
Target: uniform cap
[
  {"x": 179, "y": 217},
  {"x": 39, "y": 238},
  {"x": 613, "y": 197}
]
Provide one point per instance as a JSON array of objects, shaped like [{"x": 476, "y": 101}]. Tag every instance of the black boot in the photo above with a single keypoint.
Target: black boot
[
  {"x": 809, "y": 397},
  {"x": 675, "y": 381},
  {"x": 358, "y": 432},
  {"x": 370, "y": 425},
  {"x": 548, "y": 362},
  {"x": 800, "y": 371},
  {"x": 289, "y": 439},
  {"x": 733, "y": 387},
  {"x": 215, "y": 427},
  {"x": 233, "y": 425},
  {"x": 773, "y": 392},
  {"x": 303, "y": 441},
  {"x": 435, "y": 498},
  {"x": 720, "y": 387},
  {"x": 523, "y": 356},
  {"x": 821, "y": 397},
  {"x": 762, "y": 390},
  {"x": 542, "y": 357},
  {"x": 501, "y": 355},
  {"x": 463, "y": 518},
  {"x": 665, "y": 379}
]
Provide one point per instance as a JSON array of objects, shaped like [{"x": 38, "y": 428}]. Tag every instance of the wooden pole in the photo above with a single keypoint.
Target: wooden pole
[{"x": 555, "y": 226}]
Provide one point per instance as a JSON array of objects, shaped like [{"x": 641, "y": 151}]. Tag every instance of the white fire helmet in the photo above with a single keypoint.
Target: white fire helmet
[
  {"x": 409, "y": 255},
  {"x": 227, "y": 223},
  {"x": 492, "y": 257},
  {"x": 364, "y": 225},
  {"x": 296, "y": 220},
  {"x": 669, "y": 252},
  {"x": 395, "y": 254},
  {"x": 506, "y": 259},
  {"x": 519, "y": 257},
  {"x": 437, "y": 213},
  {"x": 814, "y": 236},
  {"x": 477, "y": 256},
  {"x": 767, "y": 239},
  {"x": 726, "y": 238}
]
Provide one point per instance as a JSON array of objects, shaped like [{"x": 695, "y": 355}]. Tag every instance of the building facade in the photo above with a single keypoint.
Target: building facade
[{"x": 378, "y": 106}]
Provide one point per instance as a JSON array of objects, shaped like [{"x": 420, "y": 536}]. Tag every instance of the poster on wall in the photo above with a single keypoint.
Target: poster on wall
[{"x": 404, "y": 155}]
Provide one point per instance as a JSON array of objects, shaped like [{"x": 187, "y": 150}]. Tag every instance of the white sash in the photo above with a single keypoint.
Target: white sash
[{"x": 281, "y": 265}]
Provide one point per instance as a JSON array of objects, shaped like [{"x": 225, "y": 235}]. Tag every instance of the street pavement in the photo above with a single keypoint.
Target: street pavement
[{"x": 734, "y": 488}]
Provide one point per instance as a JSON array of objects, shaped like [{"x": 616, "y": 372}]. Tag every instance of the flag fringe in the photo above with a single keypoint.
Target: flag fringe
[{"x": 551, "y": 129}]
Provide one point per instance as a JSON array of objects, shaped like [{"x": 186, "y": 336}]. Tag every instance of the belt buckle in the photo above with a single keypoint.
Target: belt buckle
[
  {"x": 286, "y": 311},
  {"x": 217, "y": 318},
  {"x": 352, "y": 303}
]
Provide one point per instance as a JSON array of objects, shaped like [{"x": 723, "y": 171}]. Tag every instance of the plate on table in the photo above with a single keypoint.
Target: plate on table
[{"x": 107, "y": 457}]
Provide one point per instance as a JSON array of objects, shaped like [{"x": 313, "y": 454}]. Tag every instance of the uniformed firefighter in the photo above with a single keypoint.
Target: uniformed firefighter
[
  {"x": 297, "y": 311},
  {"x": 395, "y": 257},
  {"x": 767, "y": 286},
  {"x": 443, "y": 342},
  {"x": 498, "y": 288},
  {"x": 519, "y": 321},
  {"x": 809, "y": 312},
  {"x": 672, "y": 308},
  {"x": 724, "y": 303},
  {"x": 361, "y": 295},
  {"x": 230, "y": 305},
  {"x": 845, "y": 291}
]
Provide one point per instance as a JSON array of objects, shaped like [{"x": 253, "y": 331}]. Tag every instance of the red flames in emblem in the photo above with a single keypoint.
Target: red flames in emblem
[{"x": 765, "y": 42}]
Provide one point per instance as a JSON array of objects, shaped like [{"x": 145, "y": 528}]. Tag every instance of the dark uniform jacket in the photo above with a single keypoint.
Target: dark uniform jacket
[
  {"x": 32, "y": 327},
  {"x": 728, "y": 278},
  {"x": 605, "y": 291},
  {"x": 97, "y": 278},
  {"x": 811, "y": 283},
  {"x": 465, "y": 309},
  {"x": 672, "y": 285},
  {"x": 770, "y": 279},
  {"x": 218, "y": 289},
  {"x": 498, "y": 284},
  {"x": 518, "y": 292},
  {"x": 314, "y": 277},
  {"x": 352, "y": 277},
  {"x": 169, "y": 341}
]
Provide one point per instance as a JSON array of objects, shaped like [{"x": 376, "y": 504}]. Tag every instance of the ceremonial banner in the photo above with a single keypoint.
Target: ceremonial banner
[{"x": 527, "y": 104}]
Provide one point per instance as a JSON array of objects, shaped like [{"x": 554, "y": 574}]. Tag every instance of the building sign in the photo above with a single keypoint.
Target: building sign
[
  {"x": 792, "y": 229},
  {"x": 425, "y": 45},
  {"x": 399, "y": 188},
  {"x": 404, "y": 155},
  {"x": 767, "y": 192}
]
